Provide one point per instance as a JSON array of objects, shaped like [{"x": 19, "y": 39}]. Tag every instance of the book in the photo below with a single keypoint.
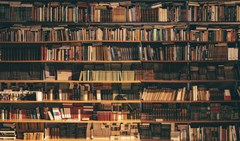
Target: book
[{"x": 56, "y": 113}]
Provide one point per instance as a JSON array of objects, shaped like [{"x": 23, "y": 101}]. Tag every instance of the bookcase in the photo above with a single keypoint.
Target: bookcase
[{"x": 120, "y": 70}]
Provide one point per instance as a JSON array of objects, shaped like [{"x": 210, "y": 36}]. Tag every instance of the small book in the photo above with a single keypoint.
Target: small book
[
  {"x": 50, "y": 115},
  {"x": 56, "y": 113},
  {"x": 227, "y": 94}
]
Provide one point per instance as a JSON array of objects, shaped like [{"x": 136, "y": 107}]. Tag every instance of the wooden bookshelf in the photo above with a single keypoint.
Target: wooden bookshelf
[{"x": 175, "y": 54}]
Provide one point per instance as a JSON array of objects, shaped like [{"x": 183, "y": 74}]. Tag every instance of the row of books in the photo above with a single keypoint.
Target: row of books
[
  {"x": 152, "y": 131},
  {"x": 169, "y": 52},
  {"x": 215, "y": 133},
  {"x": 217, "y": 34},
  {"x": 111, "y": 11},
  {"x": 97, "y": 12},
  {"x": 93, "y": 131},
  {"x": 164, "y": 112},
  {"x": 204, "y": 94},
  {"x": 129, "y": 131},
  {"x": 89, "y": 92},
  {"x": 219, "y": 51},
  {"x": 161, "y": 71},
  {"x": 223, "y": 11},
  {"x": 20, "y": 33},
  {"x": 139, "y": 12},
  {"x": 73, "y": 112},
  {"x": 201, "y": 72},
  {"x": 15, "y": 11},
  {"x": 7, "y": 131},
  {"x": 20, "y": 53},
  {"x": 67, "y": 111},
  {"x": 33, "y": 136},
  {"x": 20, "y": 72},
  {"x": 164, "y": 94},
  {"x": 89, "y": 53},
  {"x": 14, "y": 95},
  {"x": 214, "y": 111},
  {"x": 84, "y": 92},
  {"x": 59, "y": 12},
  {"x": 112, "y": 116},
  {"x": 99, "y": 75},
  {"x": 213, "y": 72},
  {"x": 164, "y": 131}
]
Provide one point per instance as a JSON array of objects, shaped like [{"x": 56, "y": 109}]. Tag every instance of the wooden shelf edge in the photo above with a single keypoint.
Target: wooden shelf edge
[
  {"x": 165, "y": 81},
  {"x": 118, "y": 61},
  {"x": 95, "y": 139},
  {"x": 71, "y": 101},
  {"x": 161, "y": 101},
  {"x": 64, "y": 81},
  {"x": 215, "y": 121},
  {"x": 112, "y": 41},
  {"x": 65, "y": 121},
  {"x": 191, "y": 121},
  {"x": 164, "y": 121},
  {"x": 77, "y": 61},
  {"x": 115, "y": 101}
]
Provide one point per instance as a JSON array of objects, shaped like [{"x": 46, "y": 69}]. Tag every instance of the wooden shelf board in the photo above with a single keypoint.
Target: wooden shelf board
[
  {"x": 216, "y": 101},
  {"x": 71, "y": 101},
  {"x": 64, "y": 121},
  {"x": 114, "y": 101},
  {"x": 214, "y": 121},
  {"x": 109, "y": 81},
  {"x": 171, "y": 41},
  {"x": 53, "y": 61},
  {"x": 165, "y": 61},
  {"x": 165, "y": 81},
  {"x": 164, "y": 121},
  {"x": 112, "y": 41},
  {"x": 120, "y": 61},
  {"x": 96, "y": 23},
  {"x": 63, "y": 81},
  {"x": 95, "y": 139},
  {"x": 72, "y": 41},
  {"x": 191, "y": 121},
  {"x": 158, "y": 101},
  {"x": 214, "y": 61},
  {"x": 212, "y": 81},
  {"x": 207, "y": 42},
  {"x": 213, "y": 23}
]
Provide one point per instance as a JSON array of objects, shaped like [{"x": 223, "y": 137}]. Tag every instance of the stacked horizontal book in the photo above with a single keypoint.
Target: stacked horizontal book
[{"x": 7, "y": 131}]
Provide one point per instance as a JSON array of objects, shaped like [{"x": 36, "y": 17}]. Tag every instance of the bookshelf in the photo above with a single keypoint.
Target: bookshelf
[{"x": 122, "y": 70}]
